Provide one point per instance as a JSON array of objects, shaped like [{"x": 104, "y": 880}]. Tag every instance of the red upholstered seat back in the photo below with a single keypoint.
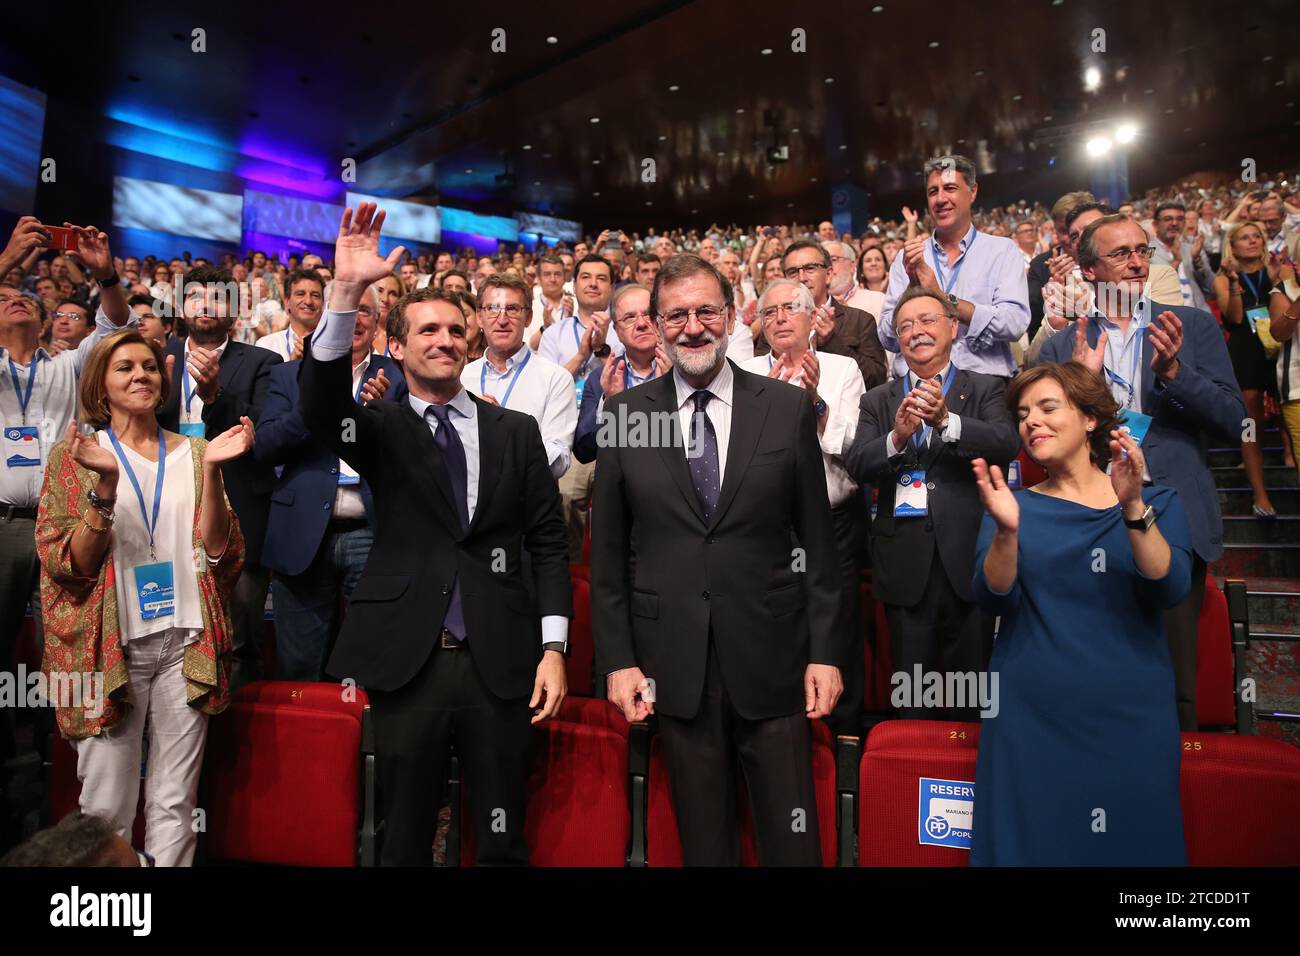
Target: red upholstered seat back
[
  {"x": 282, "y": 773},
  {"x": 1215, "y": 700},
  {"x": 1239, "y": 796},
  {"x": 878, "y": 654},
  {"x": 65, "y": 789},
  {"x": 897, "y": 755},
  {"x": 581, "y": 649}
]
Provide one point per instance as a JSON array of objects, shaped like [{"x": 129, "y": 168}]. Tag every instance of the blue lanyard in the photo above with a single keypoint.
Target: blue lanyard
[
  {"x": 185, "y": 384},
  {"x": 1255, "y": 288},
  {"x": 577, "y": 343},
  {"x": 1137, "y": 362},
  {"x": 24, "y": 398},
  {"x": 961, "y": 261},
  {"x": 482, "y": 379},
  {"x": 150, "y": 526},
  {"x": 921, "y": 437}
]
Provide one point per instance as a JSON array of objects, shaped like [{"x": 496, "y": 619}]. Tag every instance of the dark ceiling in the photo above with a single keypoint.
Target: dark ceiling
[{"x": 416, "y": 95}]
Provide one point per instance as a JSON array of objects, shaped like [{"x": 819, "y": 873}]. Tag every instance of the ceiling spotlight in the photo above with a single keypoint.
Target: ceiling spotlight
[
  {"x": 934, "y": 44},
  {"x": 1098, "y": 146},
  {"x": 796, "y": 129},
  {"x": 830, "y": 79},
  {"x": 595, "y": 119},
  {"x": 468, "y": 171},
  {"x": 1126, "y": 133},
  {"x": 877, "y": 9},
  {"x": 739, "y": 111},
  {"x": 596, "y": 193},
  {"x": 721, "y": 153},
  {"x": 552, "y": 40},
  {"x": 662, "y": 138},
  {"x": 1092, "y": 79},
  {"x": 766, "y": 51},
  {"x": 537, "y": 182},
  {"x": 674, "y": 88},
  {"x": 844, "y": 146},
  {"x": 979, "y": 72},
  {"x": 595, "y": 162},
  {"x": 813, "y": 179},
  {"x": 528, "y": 145}
]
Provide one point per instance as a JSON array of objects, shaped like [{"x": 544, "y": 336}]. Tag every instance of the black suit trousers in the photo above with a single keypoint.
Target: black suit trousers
[
  {"x": 414, "y": 729},
  {"x": 776, "y": 759},
  {"x": 851, "y": 542}
]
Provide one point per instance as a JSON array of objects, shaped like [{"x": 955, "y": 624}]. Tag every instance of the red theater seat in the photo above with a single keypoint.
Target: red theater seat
[
  {"x": 289, "y": 776},
  {"x": 1239, "y": 796},
  {"x": 582, "y": 650},
  {"x": 663, "y": 846},
  {"x": 63, "y": 794},
  {"x": 879, "y": 656},
  {"x": 1215, "y": 682},
  {"x": 897, "y": 755},
  {"x": 578, "y": 809}
]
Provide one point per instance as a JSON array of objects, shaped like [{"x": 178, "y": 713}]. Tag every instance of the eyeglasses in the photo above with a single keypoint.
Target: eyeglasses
[
  {"x": 631, "y": 318},
  {"x": 1121, "y": 255},
  {"x": 68, "y": 315},
  {"x": 924, "y": 322},
  {"x": 492, "y": 311},
  {"x": 795, "y": 271},
  {"x": 706, "y": 314},
  {"x": 772, "y": 311},
  {"x": 840, "y": 259}
]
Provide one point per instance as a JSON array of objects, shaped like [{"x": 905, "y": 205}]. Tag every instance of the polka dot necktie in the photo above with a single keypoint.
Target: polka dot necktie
[{"x": 702, "y": 455}]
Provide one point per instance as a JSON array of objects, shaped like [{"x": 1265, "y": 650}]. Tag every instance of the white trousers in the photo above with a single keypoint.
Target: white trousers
[{"x": 108, "y": 765}]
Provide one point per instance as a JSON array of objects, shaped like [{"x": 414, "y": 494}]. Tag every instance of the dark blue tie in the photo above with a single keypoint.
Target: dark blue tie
[
  {"x": 705, "y": 473},
  {"x": 453, "y": 456}
]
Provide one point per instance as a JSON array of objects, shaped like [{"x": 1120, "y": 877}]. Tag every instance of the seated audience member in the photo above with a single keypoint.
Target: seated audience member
[
  {"x": 304, "y": 300},
  {"x": 78, "y": 840},
  {"x": 322, "y": 518},
  {"x": 1171, "y": 374},
  {"x": 155, "y": 328},
  {"x": 915, "y": 439},
  {"x": 643, "y": 360},
  {"x": 841, "y": 329},
  {"x": 216, "y": 383},
  {"x": 983, "y": 276},
  {"x": 139, "y": 593},
  {"x": 1084, "y": 725},
  {"x": 509, "y": 375},
  {"x": 834, "y": 386}
]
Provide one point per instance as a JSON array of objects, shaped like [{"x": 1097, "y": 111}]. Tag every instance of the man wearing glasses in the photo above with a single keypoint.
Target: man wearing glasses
[
  {"x": 1171, "y": 375},
  {"x": 1187, "y": 256},
  {"x": 509, "y": 375},
  {"x": 833, "y": 385},
  {"x": 727, "y": 623},
  {"x": 916, "y": 438},
  {"x": 841, "y": 329}
]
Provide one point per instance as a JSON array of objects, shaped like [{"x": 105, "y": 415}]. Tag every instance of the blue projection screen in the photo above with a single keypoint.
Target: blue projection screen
[
  {"x": 404, "y": 220},
  {"x": 141, "y": 204},
  {"x": 22, "y": 123},
  {"x": 276, "y": 215}
]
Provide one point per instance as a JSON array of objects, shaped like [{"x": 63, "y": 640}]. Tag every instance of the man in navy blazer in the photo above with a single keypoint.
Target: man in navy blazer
[
  {"x": 322, "y": 519},
  {"x": 1169, "y": 363}
]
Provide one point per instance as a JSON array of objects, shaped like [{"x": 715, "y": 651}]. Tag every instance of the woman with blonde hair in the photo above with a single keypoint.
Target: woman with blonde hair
[
  {"x": 1243, "y": 288},
  {"x": 138, "y": 593}
]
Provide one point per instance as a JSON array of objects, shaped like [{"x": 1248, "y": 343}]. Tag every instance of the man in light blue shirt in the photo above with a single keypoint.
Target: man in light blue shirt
[{"x": 982, "y": 275}]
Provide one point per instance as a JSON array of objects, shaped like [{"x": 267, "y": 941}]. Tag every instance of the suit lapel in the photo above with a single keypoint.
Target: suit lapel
[
  {"x": 663, "y": 394},
  {"x": 228, "y": 363},
  {"x": 491, "y": 450},
  {"x": 748, "y": 414},
  {"x": 422, "y": 438}
]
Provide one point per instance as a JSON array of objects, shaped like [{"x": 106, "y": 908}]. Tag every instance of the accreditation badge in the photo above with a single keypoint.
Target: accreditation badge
[
  {"x": 155, "y": 590},
  {"x": 1136, "y": 424},
  {"x": 22, "y": 446},
  {"x": 911, "y": 497}
]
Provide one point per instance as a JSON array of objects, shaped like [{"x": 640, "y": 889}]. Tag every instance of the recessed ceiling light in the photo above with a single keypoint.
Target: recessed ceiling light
[
  {"x": 1267, "y": 58},
  {"x": 1148, "y": 91},
  {"x": 813, "y": 180},
  {"x": 552, "y": 40},
  {"x": 595, "y": 119},
  {"x": 844, "y": 146},
  {"x": 1280, "y": 83},
  {"x": 961, "y": 141},
  {"x": 528, "y": 146},
  {"x": 674, "y": 88},
  {"x": 1017, "y": 97},
  {"x": 469, "y": 171},
  {"x": 662, "y": 138},
  {"x": 721, "y": 153},
  {"x": 1057, "y": 3},
  {"x": 739, "y": 111},
  {"x": 693, "y": 211},
  {"x": 595, "y": 162},
  {"x": 649, "y": 203},
  {"x": 1047, "y": 119},
  {"x": 766, "y": 51},
  {"x": 796, "y": 129},
  {"x": 830, "y": 79},
  {"x": 877, "y": 9},
  {"x": 750, "y": 196},
  {"x": 1169, "y": 110},
  {"x": 596, "y": 193},
  {"x": 934, "y": 44},
  {"x": 924, "y": 123},
  {"x": 789, "y": 205},
  {"x": 979, "y": 72}
]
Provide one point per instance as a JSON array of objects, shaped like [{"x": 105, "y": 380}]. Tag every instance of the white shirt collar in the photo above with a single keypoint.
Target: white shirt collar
[
  {"x": 963, "y": 244},
  {"x": 219, "y": 349},
  {"x": 461, "y": 403},
  {"x": 943, "y": 374},
  {"x": 721, "y": 386},
  {"x": 511, "y": 362}
]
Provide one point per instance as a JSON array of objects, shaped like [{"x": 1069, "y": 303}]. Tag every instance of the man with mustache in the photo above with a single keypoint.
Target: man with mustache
[
  {"x": 981, "y": 275},
  {"x": 1168, "y": 367},
  {"x": 916, "y": 438},
  {"x": 834, "y": 386},
  {"x": 727, "y": 626}
]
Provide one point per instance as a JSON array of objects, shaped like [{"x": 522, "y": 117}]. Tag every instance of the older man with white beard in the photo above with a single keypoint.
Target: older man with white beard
[
  {"x": 727, "y": 623},
  {"x": 834, "y": 386}
]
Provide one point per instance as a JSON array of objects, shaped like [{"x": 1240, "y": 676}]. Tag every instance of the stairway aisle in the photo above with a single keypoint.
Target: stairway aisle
[{"x": 1266, "y": 554}]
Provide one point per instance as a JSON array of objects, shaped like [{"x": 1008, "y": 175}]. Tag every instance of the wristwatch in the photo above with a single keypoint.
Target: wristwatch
[
  {"x": 602, "y": 351},
  {"x": 97, "y": 502},
  {"x": 1143, "y": 522},
  {"x": 561, "y": 646},
  {"x": 953, "y": 299},
  {"x": 108, "y": 283},
  {"x": 820, "y": 407}
]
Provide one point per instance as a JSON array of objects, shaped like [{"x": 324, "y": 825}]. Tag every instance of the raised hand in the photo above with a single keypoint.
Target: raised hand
[
  {"x": 824, "y": 323},
  {"x": 1126, "y": 467},
  {"x": 812, "y": 373},
  {"x": 1092, "y": 358},
  {"x": 662, "y": 362},
  {"x": 92, "y": 250},
  {"x": 230, "y": 444},
  {"x": 1166, "y": 334},
  {"x": 909, "y": 216},
  {"x": 357, "y": 261},
  {"x": 86, "y": 452},
  {"x": 375, "y": 388},
  {"x": 28, "y": 234},
  {"x": 996, "y": 497},
  {"x": 906, "y": 422},
  {"x": 612, "y": 379}
]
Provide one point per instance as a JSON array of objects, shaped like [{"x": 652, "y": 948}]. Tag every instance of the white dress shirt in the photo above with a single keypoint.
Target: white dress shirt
[
  {"x": 537, "y": 386},
  {"x": 281, "y": 343},
  {"x": 53, "y": 404},
  {"x": 333, "y": 340},
  {"x": 990, "y": 274},
  {"x": 718, "y": 409},
  {"x": 192, "y": 405},
  {"x": 841, "y": 387},
  {"x": 538, "y": 321},
  {"x": 560, "y": 344}
]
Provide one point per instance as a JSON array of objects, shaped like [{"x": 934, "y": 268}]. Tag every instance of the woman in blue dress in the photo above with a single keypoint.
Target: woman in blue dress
[{"x": 1080, "y": 765}]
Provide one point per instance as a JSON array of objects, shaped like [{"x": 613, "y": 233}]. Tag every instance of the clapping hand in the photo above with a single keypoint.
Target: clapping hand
[
  {"x": 928, "y": 401},
  {"x": 204, "y": 365},
  {"x": 86, "y": 452},
  {"x": 1126, "y": 467},
  {"x": 824, "y": 323},
  {"x": 996, "y": 497},
  {"x": 375, "y": 388},
  {"x": 612, "y": 379},
  {"x": 1092, "y": 358},
  {"x": 1166, "y": 334},
  {"x": 230, "y": 444}
]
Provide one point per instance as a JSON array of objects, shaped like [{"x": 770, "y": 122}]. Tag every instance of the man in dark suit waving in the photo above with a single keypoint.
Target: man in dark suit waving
[
  {"x": 916, "y": 438},
  {"x": 215, "y": 382},
  {"x": 714, "y": 577},
  {"x": 441, "y": 630}
]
